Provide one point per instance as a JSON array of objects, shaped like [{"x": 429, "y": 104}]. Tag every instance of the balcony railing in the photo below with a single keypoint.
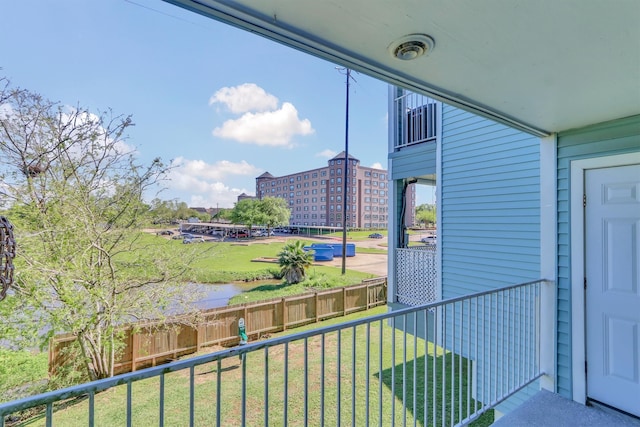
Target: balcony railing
[
  {"x": 444, "y": 363},
  {"x": 415, "y": 119},
  {"x": 416, "y": 275}
]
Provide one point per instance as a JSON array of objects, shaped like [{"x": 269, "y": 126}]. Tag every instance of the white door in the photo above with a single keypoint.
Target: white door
[{"x": 612, "y": 240}]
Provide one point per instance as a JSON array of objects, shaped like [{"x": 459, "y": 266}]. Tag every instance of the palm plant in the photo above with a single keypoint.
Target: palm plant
[{"x": 294, "y": 260}]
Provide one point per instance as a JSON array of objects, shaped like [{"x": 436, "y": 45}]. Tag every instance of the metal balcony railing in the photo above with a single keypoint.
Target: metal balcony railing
[
  {"x": 415, "y": 119},
  {"x": 416, "y": 277},
  {"x": 439, "y": 364}
]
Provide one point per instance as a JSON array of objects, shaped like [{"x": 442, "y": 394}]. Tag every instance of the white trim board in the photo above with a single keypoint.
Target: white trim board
[
  {"x": 578, "y": 349},
  {"x": 548, "y": 260}
]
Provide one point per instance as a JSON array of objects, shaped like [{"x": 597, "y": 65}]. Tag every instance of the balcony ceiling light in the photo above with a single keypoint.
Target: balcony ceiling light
[{"x": 411, "y": 46}]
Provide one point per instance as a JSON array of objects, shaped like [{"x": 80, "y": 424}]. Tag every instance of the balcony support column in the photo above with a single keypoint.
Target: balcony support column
[{"x": 548, "y": 246}]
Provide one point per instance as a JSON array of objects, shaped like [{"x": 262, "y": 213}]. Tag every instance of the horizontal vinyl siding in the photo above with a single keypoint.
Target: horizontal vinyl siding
[
  {"x": 490, "y": 231},
  {"x": 414, "y": 161},
  {"x": 611, "y": 138}
]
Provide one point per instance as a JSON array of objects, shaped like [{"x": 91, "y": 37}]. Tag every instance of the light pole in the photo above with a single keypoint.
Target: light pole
[{"x": 345, "y": 193}]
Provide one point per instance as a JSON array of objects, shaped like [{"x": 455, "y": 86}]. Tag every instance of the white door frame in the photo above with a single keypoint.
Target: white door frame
[{"x": 578, "y": 330}]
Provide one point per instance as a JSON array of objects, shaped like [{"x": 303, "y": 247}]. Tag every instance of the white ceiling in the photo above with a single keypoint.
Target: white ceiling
[{"x": 540, "y": 65}]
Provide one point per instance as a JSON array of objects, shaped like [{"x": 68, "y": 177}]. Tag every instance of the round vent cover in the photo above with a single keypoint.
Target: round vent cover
[{"x": 411, "y": 47}]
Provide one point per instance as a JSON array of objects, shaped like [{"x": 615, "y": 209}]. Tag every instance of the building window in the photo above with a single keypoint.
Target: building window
[
  {"x": 298, "y": 178},
  {"x": 339, "y": 171},
  {"x": 314, "y": 175},
  {"x": 339, "y": 189},
  {"x": 314, "y": 191},
  {"x": 339, "y": 181},
  {"x": 323, "y": 199},
  {"x": 382, "y": 185},
  {"x": 367, "y": 173},
  {"x": 314, "y": 183},
  {"x": 367, "y": 182},
  {"x": 323, "y": 173},
  {"x": 323, "y": 190},
  {"x": 339, "y": 161},
  {"x": 314, "y": 200},
  {"x": 314, "y": 208}
]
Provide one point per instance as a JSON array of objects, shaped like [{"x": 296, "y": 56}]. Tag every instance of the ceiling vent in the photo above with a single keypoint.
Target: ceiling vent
[{"x": 411, "y": 47}]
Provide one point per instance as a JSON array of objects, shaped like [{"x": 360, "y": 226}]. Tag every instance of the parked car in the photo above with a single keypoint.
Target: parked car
[
  {"x": 375, "y": 236},
  {"x": 165, "y": 233},
  {"x": 431, "y": 240},
  {"x": 194, "y": 239},
  {"x": 183, "y": 236},
  {"x": 238, "y": 234}
]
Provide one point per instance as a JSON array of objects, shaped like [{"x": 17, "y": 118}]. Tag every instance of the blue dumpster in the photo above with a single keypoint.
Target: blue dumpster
[
  {"x": 322, "y": 254},
  {"x": 336, "y": 248}
]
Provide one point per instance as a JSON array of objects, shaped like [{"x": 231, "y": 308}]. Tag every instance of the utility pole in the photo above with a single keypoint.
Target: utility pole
[{"x": 345, "y": 193}]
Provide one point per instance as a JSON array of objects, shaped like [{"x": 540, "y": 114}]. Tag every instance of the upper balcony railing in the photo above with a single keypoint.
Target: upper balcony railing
[
  {"x": 415, "y": 119},
  {"x": 445, "y": 363}
]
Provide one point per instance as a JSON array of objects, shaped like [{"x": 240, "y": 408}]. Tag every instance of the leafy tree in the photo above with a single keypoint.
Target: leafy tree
[
  {"x": 294, "y": 260},
  {"x": 74, "y": 191},
  {"x": 247, "y": 212},
  {"x": 426, "y": 214},
  {"x": 275, "y": 211}
]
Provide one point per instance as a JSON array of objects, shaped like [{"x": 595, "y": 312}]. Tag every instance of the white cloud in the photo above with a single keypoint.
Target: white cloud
[
  {"x": 203, "y": 184},
  {"x": 326, "y": 153},
  {"x": 271, "y": 128},
  {"x": 244, "y": 98},
  {"x": 377, "y": 165},
  {"x": 215, "y": 171}
]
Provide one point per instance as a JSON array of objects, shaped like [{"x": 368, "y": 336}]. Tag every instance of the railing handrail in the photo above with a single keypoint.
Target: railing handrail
[{"x": 103, "y": 384}]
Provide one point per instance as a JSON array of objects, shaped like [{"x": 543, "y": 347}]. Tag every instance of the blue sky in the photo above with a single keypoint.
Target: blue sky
[{"x": 223, "y": 104}]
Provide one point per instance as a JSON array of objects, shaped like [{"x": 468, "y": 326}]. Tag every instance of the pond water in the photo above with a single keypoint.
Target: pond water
[{"x": 218, "y": 295}]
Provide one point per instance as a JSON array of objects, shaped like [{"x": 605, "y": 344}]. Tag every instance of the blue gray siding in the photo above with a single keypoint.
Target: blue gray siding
[
  {"x": 617, "y": 137},
  {"x": 414, "y": 161},
  {"x": 490, "y": 227},
  {"x": 490, "y": 231}
]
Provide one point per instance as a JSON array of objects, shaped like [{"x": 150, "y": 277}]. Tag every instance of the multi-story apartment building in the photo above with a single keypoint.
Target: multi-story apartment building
[{"x": 316, "y": 197}]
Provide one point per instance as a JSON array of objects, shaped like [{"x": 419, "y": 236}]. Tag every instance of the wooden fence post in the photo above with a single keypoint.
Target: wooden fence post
[
  {"x": 317, "y": 311},
  {"x": 135, "y": 344},
  {"x": 344, "y": 301},
  {"x": 284, "y": 313}
]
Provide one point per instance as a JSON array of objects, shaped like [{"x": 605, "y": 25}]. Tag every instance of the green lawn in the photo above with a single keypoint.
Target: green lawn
[
  {"x": 110, "y": 405},
  {"x": 224, "y": 262},
  {"x": 22, "y": 373}
]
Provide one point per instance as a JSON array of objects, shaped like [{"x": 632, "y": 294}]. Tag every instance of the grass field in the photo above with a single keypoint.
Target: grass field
[
  {"x": 224, "y": 262},
  {"x": 350, "y": 397}
]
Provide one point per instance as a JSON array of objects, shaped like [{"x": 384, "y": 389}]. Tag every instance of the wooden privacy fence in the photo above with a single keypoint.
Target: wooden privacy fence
[{"x": 147, "y": 344}]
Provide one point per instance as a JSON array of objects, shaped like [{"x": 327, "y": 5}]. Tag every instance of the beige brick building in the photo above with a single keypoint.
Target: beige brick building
[{"x": 316, "y": 196}]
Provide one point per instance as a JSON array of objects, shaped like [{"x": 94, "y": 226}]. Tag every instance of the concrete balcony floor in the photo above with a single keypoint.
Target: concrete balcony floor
[{"x": 550, "y": 409}]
